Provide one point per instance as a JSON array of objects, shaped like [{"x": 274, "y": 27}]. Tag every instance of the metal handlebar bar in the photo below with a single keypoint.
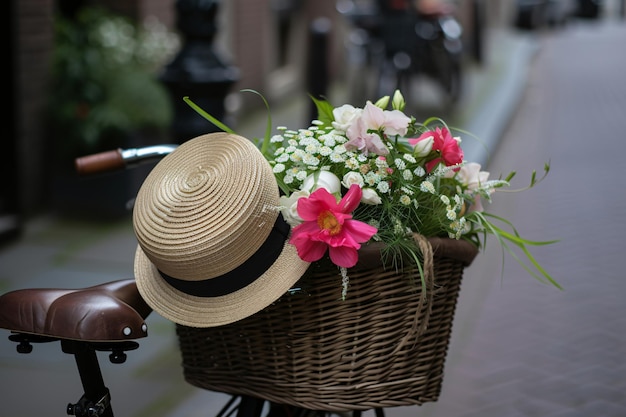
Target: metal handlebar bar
[{"x": 120, "y": 159}]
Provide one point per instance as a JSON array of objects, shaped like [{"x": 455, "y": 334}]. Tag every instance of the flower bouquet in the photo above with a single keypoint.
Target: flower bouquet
[{"x": 389, "y": 214}]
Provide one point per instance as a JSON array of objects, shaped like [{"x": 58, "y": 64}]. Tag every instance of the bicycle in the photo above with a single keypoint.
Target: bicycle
[{"x": 109, "y": 317}]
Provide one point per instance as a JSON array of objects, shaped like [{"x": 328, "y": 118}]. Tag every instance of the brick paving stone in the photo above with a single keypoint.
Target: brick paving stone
[{"x": 534, "y": 350}]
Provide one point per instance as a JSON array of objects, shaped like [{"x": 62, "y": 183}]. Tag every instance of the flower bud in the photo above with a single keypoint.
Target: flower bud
[
  {"x": 398, "y": 103},
  {"x": 370, "y": 196},
  {"x": 382, "y": 102},
  {"x": 423, "y": 147}
]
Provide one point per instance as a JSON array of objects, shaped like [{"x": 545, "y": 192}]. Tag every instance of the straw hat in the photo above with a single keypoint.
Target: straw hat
[{"x": 213, "y": 247}]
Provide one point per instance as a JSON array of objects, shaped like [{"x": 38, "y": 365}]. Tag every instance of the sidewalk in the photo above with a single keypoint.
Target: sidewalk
[{"x": 66, "y": 253}]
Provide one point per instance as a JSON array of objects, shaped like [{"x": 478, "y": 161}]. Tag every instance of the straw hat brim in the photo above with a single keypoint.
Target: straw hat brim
[{"x": 194, "y": 311}]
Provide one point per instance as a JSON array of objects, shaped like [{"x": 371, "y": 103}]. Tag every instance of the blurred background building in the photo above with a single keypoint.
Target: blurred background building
[{"x": 264, "y": 45}]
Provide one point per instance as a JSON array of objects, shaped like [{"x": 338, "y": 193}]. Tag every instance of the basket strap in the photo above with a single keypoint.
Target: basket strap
[{"x": 427, "y": 272}]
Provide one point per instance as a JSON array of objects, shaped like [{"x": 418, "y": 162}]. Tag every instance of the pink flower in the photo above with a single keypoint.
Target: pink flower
[
  {"x": 363, "y": 140},
  {"x": 447, "y": 148},
  {"x": 474, "y": 179},
  {"x": 392, "y": 122},
  {"x": 329, "y": 225}
]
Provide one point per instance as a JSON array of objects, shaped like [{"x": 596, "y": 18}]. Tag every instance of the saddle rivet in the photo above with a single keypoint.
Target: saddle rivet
[
  {"x": 144, "y": 328},
  {"x": 127, "y": 331}
]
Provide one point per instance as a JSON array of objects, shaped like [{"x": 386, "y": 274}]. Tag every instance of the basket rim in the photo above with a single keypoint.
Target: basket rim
[{"x": 457, "y": 250}]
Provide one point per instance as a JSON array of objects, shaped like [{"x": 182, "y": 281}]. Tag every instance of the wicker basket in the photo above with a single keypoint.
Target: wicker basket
[{"x": 313, "y": 350}]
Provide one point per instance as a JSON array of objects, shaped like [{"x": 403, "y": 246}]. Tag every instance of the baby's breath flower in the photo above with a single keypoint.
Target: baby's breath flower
[
  {"x": 372, "y": 178},
  {"x": 383, "y": 187},
  {"x": 328, "y": 140},
  {"x": 312, "y": 148},
  {"x": 278, "y": 168},
  {"x": 277, "y": 139},
  {"x": 399, "y": 163},
  {"x": 398, "y": 227},
  {"x": 419, "y": 171},
  {"x": 410, "y": 158},
  {"x": 451, "y": 214},
  {"x": 301, "y": 176},
  {"x": 310, "y": 160},
  {"x": 405, "y": 200},
  {"x": 325, "y": 150},
  {"x": 407, "y": 175},
  {"x": 298, "y": 155},
  {"x": 352, "y": 164},
  {"x": 444, "y": 199},
  {"x": 309, "y": 141},
  {"x": 336, "y": 157},
  {"x": 427, "y": 187}
]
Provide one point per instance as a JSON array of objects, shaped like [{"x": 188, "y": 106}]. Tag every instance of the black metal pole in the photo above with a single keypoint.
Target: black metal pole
[
  {"x": 318, "y": 61},
  {"x": 96, "y": 393},
  {"x": 198, "y": 71}
]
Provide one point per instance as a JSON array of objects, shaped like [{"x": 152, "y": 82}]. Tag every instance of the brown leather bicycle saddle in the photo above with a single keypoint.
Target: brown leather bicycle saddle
[{"x": 113, "y": 311}]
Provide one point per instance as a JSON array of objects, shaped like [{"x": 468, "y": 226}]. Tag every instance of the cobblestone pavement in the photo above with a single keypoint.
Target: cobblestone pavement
[{"x": 522, "y": 348}]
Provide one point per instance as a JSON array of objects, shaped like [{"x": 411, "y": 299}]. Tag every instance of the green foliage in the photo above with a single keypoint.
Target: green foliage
[{"x": 103, "y": 82}]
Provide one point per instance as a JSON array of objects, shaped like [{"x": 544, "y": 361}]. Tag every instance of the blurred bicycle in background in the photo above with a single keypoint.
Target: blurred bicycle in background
[{"x": 398, "y": 40}]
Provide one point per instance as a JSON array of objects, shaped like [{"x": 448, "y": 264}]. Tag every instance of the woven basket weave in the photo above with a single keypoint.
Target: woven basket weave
[{"x": 313, "y": 350}]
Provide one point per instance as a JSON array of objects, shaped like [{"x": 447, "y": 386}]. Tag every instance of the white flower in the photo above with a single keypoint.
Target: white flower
[
  {"x": 471, "y": 176},
  {"x": 289, "y": 207},
  {"x": 322, "y": 179},
  {"x": 352, "y": 178},
  {"x": 423, "y": 147},
  {"x": 370, "y": 196},
  {"x": 345, "y": 116}
]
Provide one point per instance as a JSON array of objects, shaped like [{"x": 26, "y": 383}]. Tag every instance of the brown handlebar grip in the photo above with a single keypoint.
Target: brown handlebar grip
[{"x": 100, "y": 162}]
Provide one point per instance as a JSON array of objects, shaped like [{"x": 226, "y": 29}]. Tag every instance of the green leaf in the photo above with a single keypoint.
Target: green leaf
[
  {"x": 207, "y": 116},
  {"x": 534, "y": 269},
  {"x": 324, "y": 111},
  {"x": 268, "y": 127}
]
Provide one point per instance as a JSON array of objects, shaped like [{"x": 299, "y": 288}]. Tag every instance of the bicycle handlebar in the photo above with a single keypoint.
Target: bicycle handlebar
[{"x": 120, "y": 159}]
